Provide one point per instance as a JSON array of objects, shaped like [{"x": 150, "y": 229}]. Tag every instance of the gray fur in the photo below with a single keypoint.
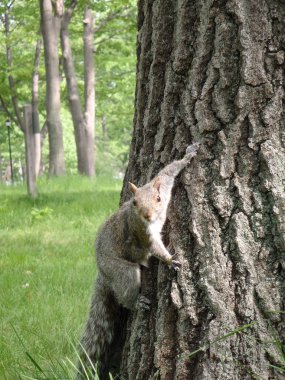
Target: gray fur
[{"x": 124, "y": 242}]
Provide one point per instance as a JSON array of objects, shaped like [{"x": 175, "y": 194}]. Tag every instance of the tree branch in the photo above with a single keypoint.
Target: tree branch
[
  {"x": 5, "y": 108},
  {"x": 105, "y": 39},
  {"x": 109, "y": 17},
  {"x": 69, "y": 12}
]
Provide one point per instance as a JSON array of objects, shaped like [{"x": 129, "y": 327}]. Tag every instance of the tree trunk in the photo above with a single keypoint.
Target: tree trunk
[
  {"x": 33, "y": 156},
  {"x": 30, "y": 146},
  {"x": 85, "y": 162},
  {"x": 50, "y": 30},
  {"x": 212, "y": 70},
  {"x": 104, "y": 129},
  {"x": 35, "y": 108},
  {"x": 89, "y": 82},
  {"x": 72, "y": 90}
]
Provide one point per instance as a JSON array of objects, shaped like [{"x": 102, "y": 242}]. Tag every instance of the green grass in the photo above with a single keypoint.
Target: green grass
[{"x": 47, "y": 270}]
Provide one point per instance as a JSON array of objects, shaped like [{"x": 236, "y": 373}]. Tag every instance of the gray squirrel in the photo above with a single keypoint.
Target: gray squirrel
[{"x": 124, "y": 242}]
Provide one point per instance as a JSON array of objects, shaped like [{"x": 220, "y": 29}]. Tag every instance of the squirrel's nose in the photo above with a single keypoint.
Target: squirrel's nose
[{"x": 147, "y": 215}]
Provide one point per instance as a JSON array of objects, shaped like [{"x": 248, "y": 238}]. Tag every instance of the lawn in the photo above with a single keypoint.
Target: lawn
[{"x": 47, "y": 270}]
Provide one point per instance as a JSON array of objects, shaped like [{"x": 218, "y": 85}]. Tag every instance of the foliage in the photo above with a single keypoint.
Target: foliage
[
  {"x": 47, "y": 269},
  {"x": 115, "y": 76},
  {"x": 40, "y": 213}
]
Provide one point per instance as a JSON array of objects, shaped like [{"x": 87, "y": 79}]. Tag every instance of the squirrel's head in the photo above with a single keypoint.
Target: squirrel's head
[{"x": 147, "y": 200}]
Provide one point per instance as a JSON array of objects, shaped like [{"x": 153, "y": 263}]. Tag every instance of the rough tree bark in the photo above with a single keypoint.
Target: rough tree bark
[
  {"x": 50, "y": 27},
  {"x": 212, "y": 70},
  {"x": 83, "y": 123}
]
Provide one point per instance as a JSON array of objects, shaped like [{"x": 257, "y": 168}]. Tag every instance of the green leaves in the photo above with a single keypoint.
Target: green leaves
[
  {"x": 38, "y": 214},
  {"x": 115, "y": 60}
]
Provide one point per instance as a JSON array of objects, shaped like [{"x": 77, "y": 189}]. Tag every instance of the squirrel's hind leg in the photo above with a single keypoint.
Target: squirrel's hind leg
[{"x": 126, "y": 282}]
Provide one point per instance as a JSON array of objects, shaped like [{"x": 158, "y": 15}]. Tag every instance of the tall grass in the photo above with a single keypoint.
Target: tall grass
[{"x": 47, "y": 269}]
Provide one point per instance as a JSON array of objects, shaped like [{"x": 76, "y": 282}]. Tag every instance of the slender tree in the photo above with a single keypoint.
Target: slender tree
[
  {"x": 17, "y": 116},
  {"x": 89, "y": 89},
  {"x": 50, "y": 27},
  {"x": 83, "y": 122},
  {"x": 35, "y": 106},
  {"x": 84, "y": 119},
  {"x": 212, "y": 71}
]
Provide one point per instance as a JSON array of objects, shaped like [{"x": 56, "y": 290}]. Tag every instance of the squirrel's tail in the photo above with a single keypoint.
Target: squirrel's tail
[{"x": 96, "y": 344}]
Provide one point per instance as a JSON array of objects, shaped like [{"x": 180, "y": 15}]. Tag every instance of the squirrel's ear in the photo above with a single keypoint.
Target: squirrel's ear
[
  {"x": 132, "y": 187},
  {"x": 156, "y": 183}
]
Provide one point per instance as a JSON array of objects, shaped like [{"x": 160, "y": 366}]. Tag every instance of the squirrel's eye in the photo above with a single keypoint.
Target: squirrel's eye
[
  {"x": 158, "y": 198},
  {"x": 135, "y": 202}
]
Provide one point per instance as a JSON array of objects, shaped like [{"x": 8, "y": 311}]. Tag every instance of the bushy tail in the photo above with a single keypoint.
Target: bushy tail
[{"x": 95, "y": 350}]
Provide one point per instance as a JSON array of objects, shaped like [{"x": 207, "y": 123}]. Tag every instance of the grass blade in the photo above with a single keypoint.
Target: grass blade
[
  {"x": 224, "y": 337},
  {"x": 277, "y": 368},
  {"x": 35, "y": 363},
  {"x": 233, "y": 332}
]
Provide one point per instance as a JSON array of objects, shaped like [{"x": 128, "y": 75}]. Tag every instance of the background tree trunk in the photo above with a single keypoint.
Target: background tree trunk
[
  {"x": 72, "y": 89},
  {"x": 50, "y": 24},
  {"x": 104, "y": 129},
  {"x": 89, "y": 83},
  {"x": 30, "y": 146},
  {"x": 83, "y": 124},
  {"x": 35, "y": 108},
  {"x": 212, "y": 70},
  {"x": 33, "y": 156}
]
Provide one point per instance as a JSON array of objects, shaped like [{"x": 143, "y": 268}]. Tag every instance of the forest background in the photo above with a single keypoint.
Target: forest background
[
  {"x": 114, "y": 58},
  {"x": 46, "y": 244}
]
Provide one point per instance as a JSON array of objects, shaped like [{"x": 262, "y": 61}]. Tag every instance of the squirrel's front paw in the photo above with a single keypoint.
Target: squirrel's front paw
[
  {"x": 193, "y": 149},
  {"x": 175, "y": 264}
]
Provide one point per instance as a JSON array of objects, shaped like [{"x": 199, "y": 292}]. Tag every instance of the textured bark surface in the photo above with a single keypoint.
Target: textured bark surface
[
  {"x": 50, "y": 24},
  {"x": 212, "y": 70}
]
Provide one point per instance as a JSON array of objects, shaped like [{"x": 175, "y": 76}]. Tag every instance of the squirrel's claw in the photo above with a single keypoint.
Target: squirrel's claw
[{"x": 176, "y": 265}]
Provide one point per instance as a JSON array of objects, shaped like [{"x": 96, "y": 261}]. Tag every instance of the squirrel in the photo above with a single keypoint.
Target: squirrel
[{"x": 124, "y": 242}]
